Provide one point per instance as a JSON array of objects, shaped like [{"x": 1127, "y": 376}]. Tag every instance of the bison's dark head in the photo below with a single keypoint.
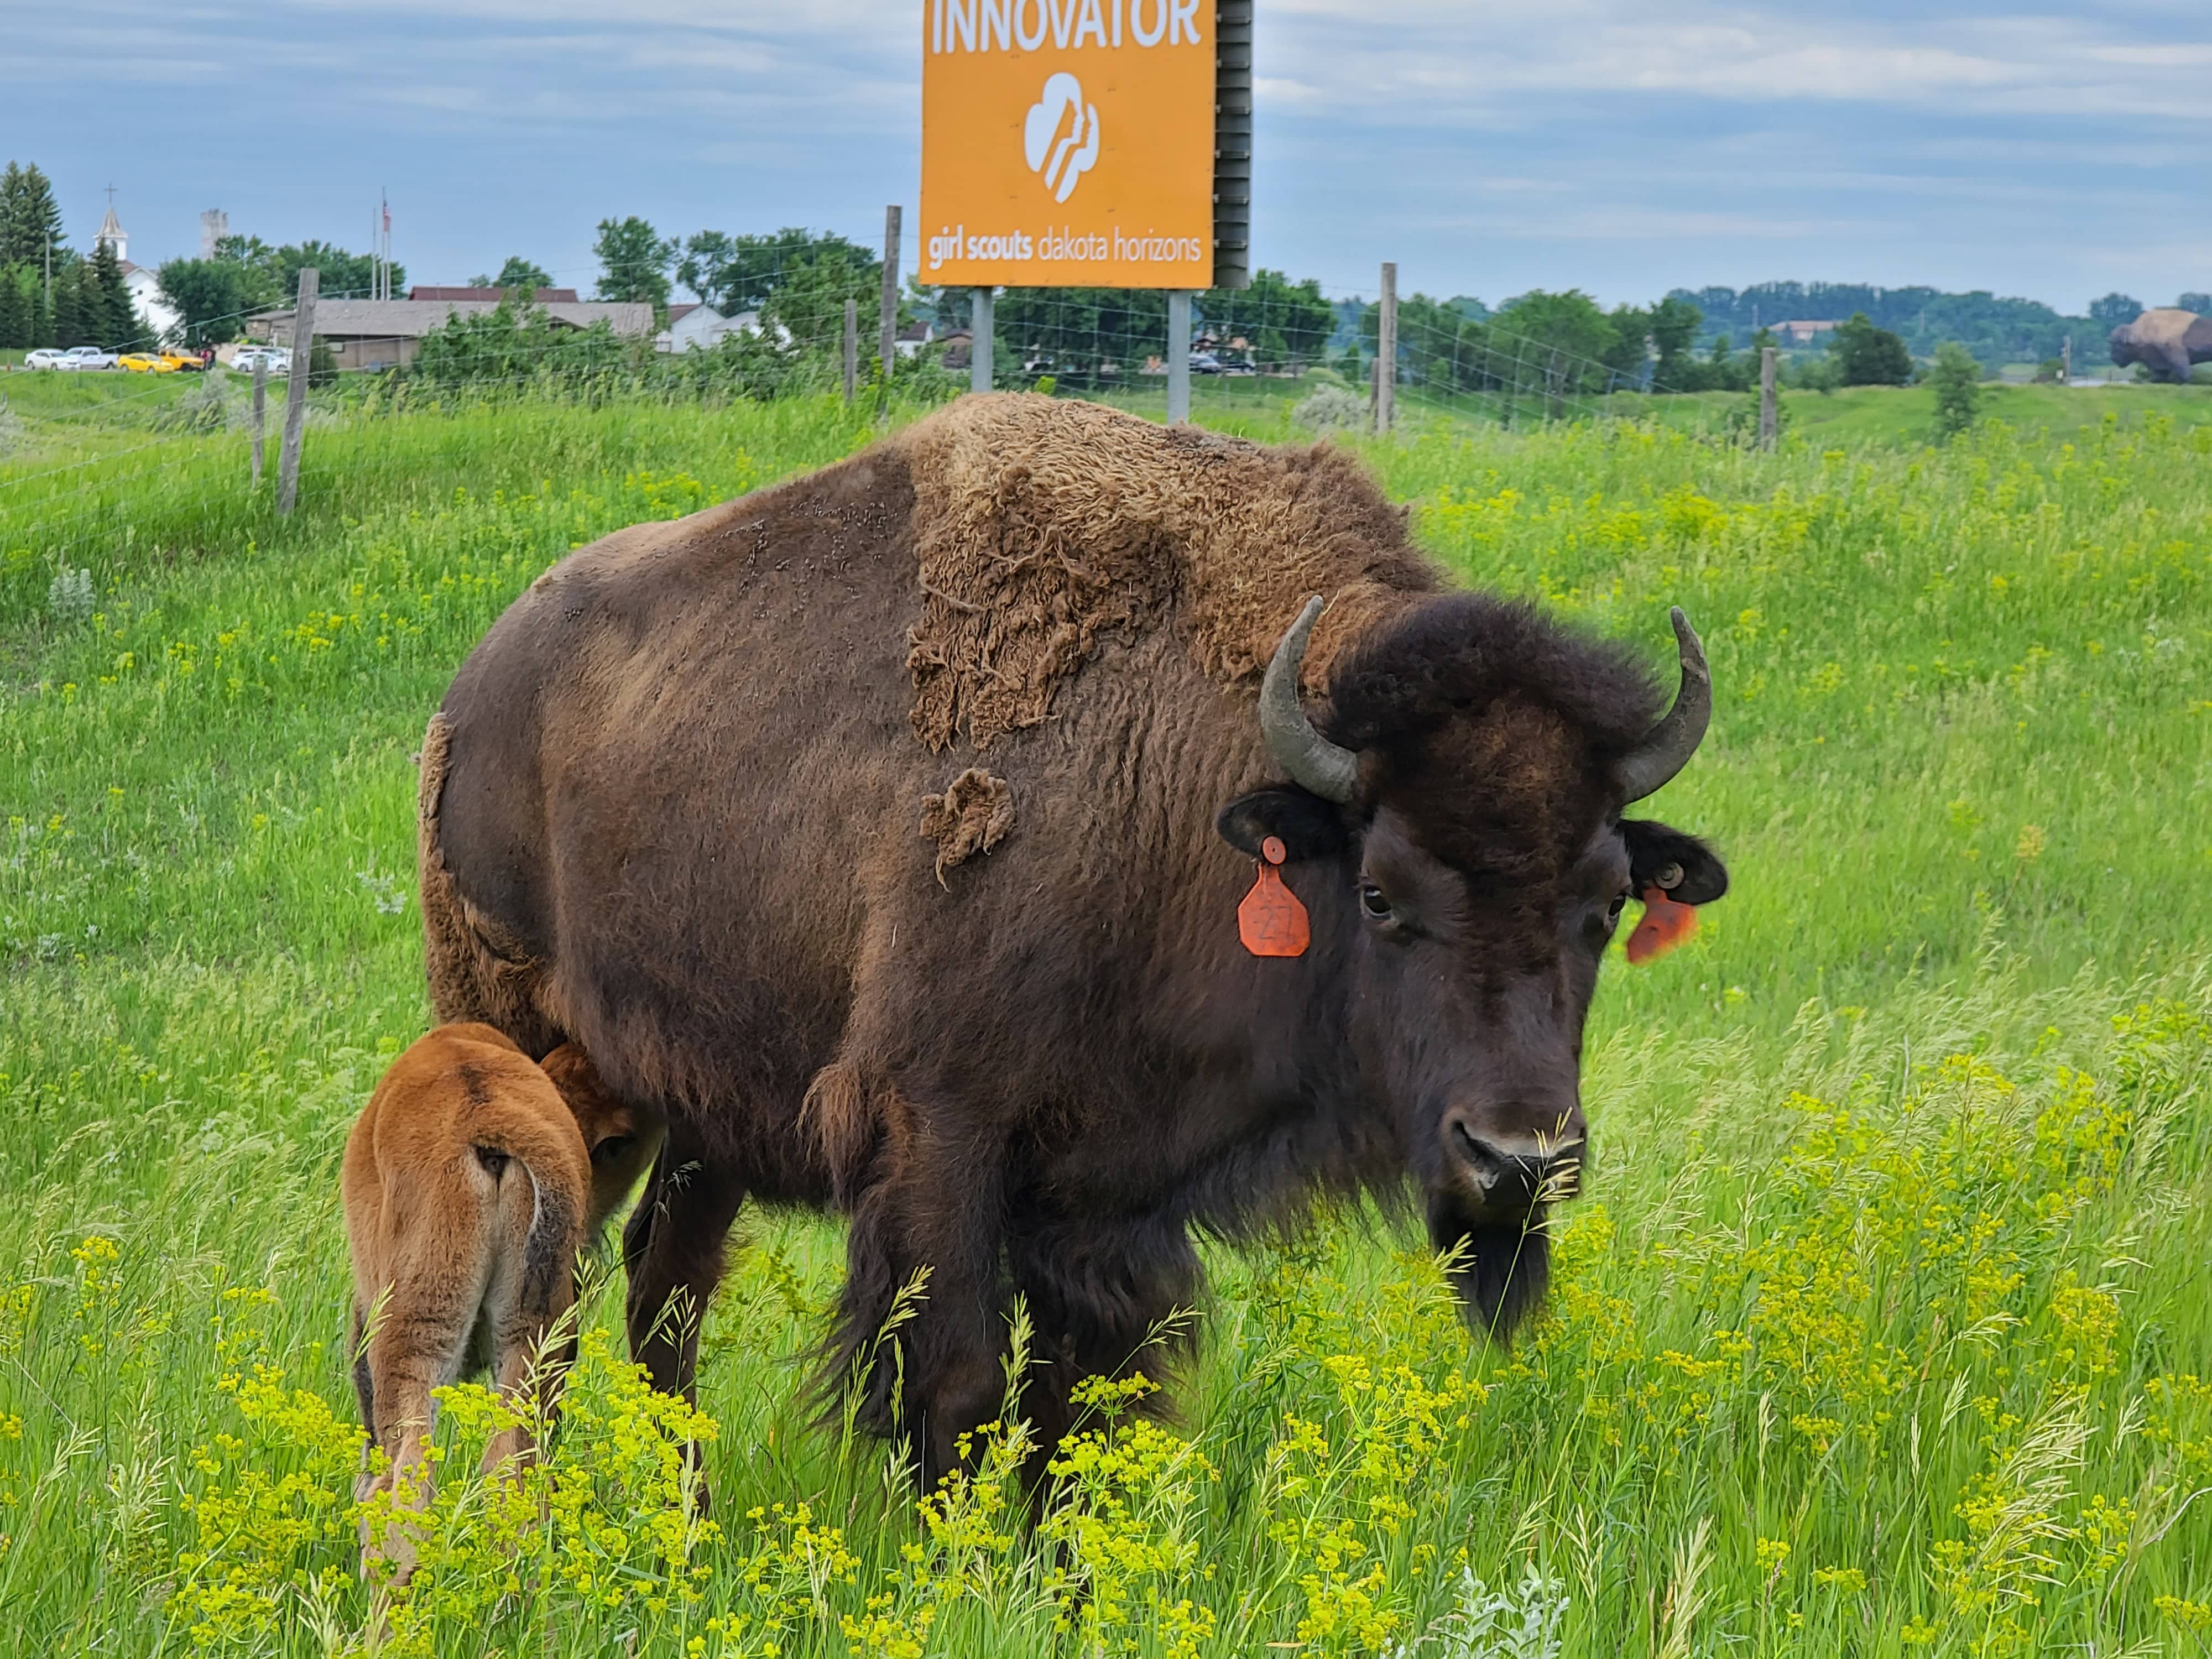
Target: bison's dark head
[{"x": 1460, "y": 810}]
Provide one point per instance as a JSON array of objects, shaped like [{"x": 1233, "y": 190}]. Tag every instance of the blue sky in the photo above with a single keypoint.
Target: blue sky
[{"x": 1623, "y": 148}]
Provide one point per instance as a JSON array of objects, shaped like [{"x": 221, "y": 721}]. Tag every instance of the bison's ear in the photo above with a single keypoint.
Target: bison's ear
[
  {"x": 1308, "y": 826},
  {"x": 1682, "y": 866}
]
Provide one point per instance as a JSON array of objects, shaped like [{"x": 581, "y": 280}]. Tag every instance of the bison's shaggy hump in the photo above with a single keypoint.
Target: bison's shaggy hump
[{"x": 1042, "y": 524}]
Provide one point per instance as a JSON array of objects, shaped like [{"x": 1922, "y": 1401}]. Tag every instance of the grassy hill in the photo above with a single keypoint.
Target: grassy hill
[{"x": 1881, "y": 1329}]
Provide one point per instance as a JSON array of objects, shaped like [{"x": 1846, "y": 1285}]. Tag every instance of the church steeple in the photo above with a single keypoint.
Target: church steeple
[{"x": 111, "y": 231}]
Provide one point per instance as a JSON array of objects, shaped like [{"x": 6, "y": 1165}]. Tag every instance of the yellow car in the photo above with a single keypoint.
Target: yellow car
[
  {"x": 184, "y": 362},
  {"x": 145, "y": 362}
]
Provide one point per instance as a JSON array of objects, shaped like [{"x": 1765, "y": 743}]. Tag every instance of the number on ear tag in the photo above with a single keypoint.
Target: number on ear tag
[{"x": 1271, "y": 921}]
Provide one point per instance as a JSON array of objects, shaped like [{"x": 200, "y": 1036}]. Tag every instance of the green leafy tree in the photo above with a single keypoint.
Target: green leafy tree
[
  {"x": 634, "y": 261},
  {"x": 1866, "y": 355},
  {"x": 1286, "y": 324},
  {"x": 1957, "y": 377},
  {"x": 1081, "y": 336},
  {"x": 735, "y": 274},
  {"x": 272, "y": 274},
  {"x": 1553, "y": 344},
  {"x": 518, "y": 273},
  {"x": 30, "y": 219},
  {"x": 15, "y": 321},
  {"x": 2113, "y": 309},
  {"x": 111, "y": 320},
  {"x": 1631, "y": 355},
  {"x": 1675, "y": 324},
  {"x": 2199, "y": 303},
  {"x": 209, "y": 296}
]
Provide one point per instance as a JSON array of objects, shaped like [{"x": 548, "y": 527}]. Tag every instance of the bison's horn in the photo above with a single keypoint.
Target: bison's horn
[
  {"x": 1328, "y": 769},
  {"x": 1666, "y": 749}
]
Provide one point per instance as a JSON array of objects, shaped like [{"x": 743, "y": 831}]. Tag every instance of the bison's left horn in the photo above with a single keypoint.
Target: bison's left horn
[
  {"x": 1668, "y": 747},
  {"x": 1329, "y": 769}
]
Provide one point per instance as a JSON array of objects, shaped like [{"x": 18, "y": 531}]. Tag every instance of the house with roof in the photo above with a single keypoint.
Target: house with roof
[
  {"x": 388, "y": 333},
  {"x": 695, "y": 327}
]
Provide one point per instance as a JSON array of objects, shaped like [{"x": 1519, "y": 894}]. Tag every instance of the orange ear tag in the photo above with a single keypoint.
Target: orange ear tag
[
  {"x": 1271, "y": 921},
  {"x": 1666, "y": 924}
]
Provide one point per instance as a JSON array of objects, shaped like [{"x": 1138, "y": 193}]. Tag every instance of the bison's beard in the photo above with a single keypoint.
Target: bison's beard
[{"x": 1498, "y": 1264}]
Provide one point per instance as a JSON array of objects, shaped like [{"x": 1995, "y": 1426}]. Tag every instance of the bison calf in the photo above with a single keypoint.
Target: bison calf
[{"x": 470, "y": 1182}]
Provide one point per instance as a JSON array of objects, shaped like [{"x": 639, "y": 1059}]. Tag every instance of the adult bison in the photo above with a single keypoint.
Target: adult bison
[
  {"x": 691, "y": 805},
  {"x": 2165, "y": 341}
]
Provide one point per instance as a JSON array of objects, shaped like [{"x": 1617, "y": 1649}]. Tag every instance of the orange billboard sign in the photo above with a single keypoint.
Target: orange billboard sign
[{"x": 1067, "y": 142}]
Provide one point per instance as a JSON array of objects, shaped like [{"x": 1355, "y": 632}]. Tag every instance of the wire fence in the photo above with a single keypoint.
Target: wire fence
[{"x": 82, "y": 456}]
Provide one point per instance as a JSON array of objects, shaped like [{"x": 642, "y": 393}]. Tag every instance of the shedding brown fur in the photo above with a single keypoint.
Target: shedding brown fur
[
  {"x": 1042, "y": 528},
  {"x": 973, "y": 814},
  {"x": 470, "y": 1181}
]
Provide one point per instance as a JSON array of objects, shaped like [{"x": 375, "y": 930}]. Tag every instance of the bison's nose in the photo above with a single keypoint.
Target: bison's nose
[{"x": 1519, "y": 1171}]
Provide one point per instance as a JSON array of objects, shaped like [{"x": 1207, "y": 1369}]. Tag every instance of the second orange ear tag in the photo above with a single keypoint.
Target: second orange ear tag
[
  {"x": 1666, "y": 923},
  {"x": 1271, "y": 921}
]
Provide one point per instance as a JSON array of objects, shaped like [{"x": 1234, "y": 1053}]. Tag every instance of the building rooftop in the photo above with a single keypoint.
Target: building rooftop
[{"x": 405, "y": 320}]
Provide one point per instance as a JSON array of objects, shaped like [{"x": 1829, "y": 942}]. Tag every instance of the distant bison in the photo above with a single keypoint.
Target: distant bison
[
  {"x": 690, "y": 804},
  {"x": 2165, "y": 341}
]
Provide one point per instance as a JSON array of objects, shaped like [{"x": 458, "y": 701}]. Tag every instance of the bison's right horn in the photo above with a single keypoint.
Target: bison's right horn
[
  {"x": 1666, "y": 749},
  {"x": 1329, "y": 769}
]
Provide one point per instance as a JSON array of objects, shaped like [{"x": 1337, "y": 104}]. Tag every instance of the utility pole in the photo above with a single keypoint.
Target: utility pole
[
  {"x": 2066, "y": 362},
  {"x": 1386, "y": 351},
  {"x": 295, "y": 392},
  {"x": 1178, "y": 356}
]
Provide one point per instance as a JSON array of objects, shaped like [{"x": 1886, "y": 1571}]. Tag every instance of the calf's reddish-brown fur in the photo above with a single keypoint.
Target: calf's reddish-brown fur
[{"x": 470, "y": 1181}]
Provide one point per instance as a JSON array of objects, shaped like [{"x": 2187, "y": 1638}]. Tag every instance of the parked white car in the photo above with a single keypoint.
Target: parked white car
[
  {"x": 43, "y": 357},
  {"x": 85, "y": 357},
  {"x": 278, "y": 360}
]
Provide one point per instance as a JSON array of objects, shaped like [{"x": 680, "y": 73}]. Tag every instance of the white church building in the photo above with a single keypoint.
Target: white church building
[{"x": 145, "y": 288}]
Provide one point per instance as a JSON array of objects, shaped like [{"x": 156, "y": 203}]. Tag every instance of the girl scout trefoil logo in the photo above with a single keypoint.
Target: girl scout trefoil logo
[{"x": 1060, "y": 137}]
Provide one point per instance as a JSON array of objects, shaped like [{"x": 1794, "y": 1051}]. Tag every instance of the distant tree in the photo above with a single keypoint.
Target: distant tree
[
  {"x": 210, "y": 297},
  {"x": 1469, "y": 307},
  {"x": 519, "y": 273},
  {"x": 735, "y": 274},
  {"x": 1286, "y": 324},
  {"x": 2050, "y": 369},
  {"x": 634, "y": 261},
  {"x": 1082, "y": 335},
  {"x": 2114, "y": 309},
  {"x": 1675, "y": 322},
  {"x": 272, "y": 274},
  {"x": 1957, "y": 377},
  {"x": 16, "y": 320},
  {"x": 1866, "y": 355},
  {"x": 113, "y": 320},
  {"x": 2199, "y": 303},
  {"x": 30, "y": 219},
  {"x": 1632, "y": 346}
]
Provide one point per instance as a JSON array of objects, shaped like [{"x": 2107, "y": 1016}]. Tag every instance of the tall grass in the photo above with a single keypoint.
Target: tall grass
[{"x": 1881, "y": 1331}]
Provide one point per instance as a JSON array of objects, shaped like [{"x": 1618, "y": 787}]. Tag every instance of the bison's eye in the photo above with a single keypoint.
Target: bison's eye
[
  {"x": 1372, "y": 902},
  {"x": 614, "y": 1147},
  {"x": 1612, "y": 912}
]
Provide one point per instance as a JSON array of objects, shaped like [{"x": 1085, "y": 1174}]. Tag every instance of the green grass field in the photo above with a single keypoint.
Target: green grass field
[{"x": 1881, "y": 1331}]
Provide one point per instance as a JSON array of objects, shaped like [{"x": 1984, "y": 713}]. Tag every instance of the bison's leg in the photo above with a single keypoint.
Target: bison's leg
[
  {"x": 1104, "y": 1304},
  {"x": 672, "y": 1250},
  {"x": 933, "y": 1222}
]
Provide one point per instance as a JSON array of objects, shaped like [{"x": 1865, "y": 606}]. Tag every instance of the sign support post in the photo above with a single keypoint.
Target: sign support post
[
  {"x": 1178, "y": 356},
  {"x": 979, "y": 342}
]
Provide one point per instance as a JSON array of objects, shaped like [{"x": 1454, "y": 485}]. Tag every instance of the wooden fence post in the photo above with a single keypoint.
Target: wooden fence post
[
  {"x": 260, "y": 412},
  {"x": 2066, "y": 362},
  {"x": 295, "y": 392},
  {"x": 1178, "y": 356},
  {"x": 979, "y": 340},
  {"x": 1386, "y": 351},
  {"x": 888, "y": 331},
  {"x": 851, "y": 349},
  {"x": 1770, "y": 426}
]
